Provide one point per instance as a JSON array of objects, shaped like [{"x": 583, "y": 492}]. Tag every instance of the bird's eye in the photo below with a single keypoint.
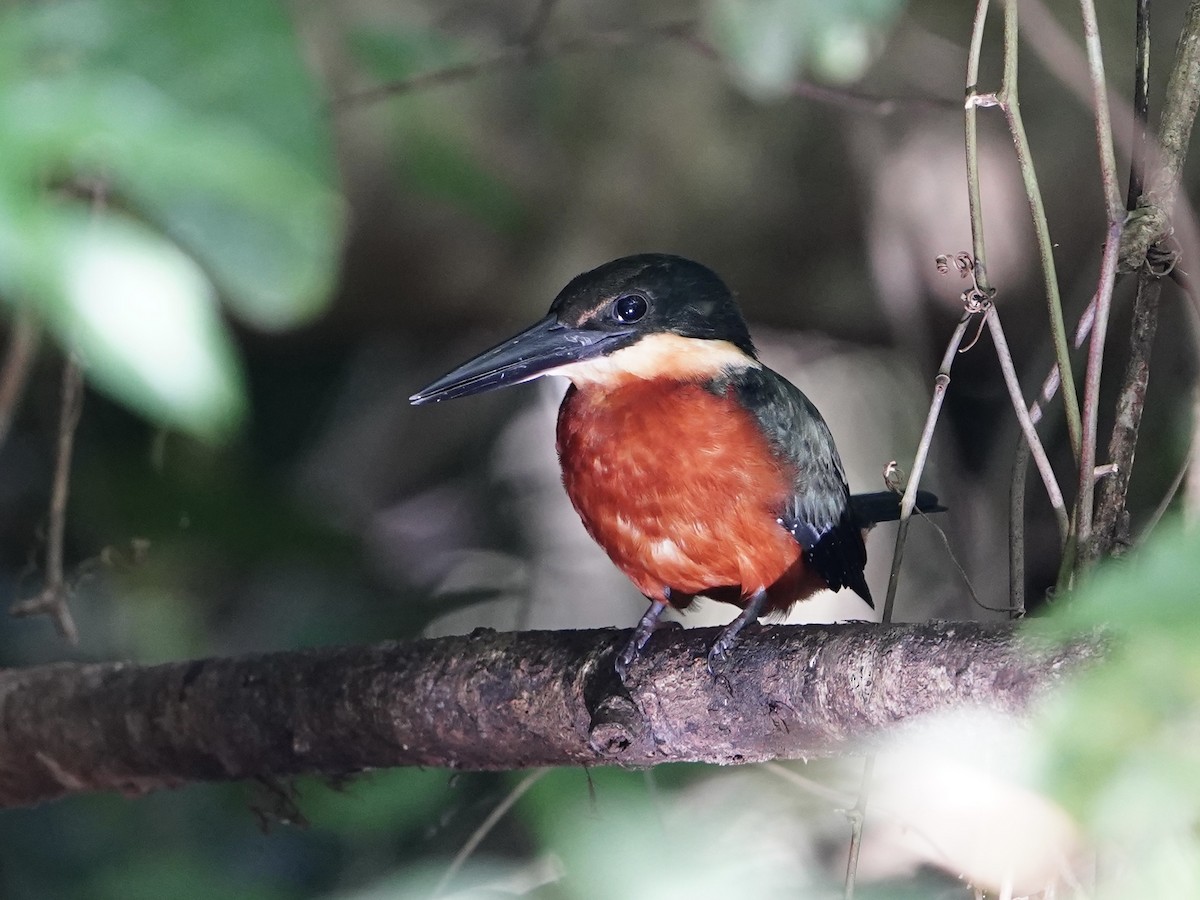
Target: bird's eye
[{"x": 630, "y": 308}]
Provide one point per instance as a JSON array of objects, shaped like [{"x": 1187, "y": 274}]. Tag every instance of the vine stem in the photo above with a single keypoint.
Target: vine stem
[
  {"x": 971, "y": 142},
  {"x": 52, "y": 599},
  {"x": 1115, "y": 214},
  {"x": 1041, "y": 460},
  {"x": 909, "y": 501},
  {"x": 1007, "y": 99},
  {"x": 485, "y": 828},
  {"x": 18, "y": 361},
  {"x": 1010, "y": 104}
]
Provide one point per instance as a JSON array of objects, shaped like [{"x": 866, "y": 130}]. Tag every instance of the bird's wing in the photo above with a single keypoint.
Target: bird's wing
[{"x": 818, "y": 512}]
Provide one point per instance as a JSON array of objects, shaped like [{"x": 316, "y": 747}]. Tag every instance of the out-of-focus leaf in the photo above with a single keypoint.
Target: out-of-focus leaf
[
  {"x": 1122, "y": 741},
  {"x": 609, "y": 826},
  {"x": 144, "y": 320},
  {"x": 201, "y": 120},
  {"x": 199, "y": 115},
  {"x": 769, "y": 43}
]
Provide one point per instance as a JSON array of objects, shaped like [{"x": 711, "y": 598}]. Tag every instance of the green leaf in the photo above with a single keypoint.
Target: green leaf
[
  {"x": 201, "y": 121},
  {"x": 1121, "y": 742},
  {"x": 144, "y": 320},
  {"x": 199, "y": 116}
]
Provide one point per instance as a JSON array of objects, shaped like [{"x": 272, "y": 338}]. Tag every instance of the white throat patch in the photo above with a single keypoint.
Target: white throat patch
[{"x": 657, "y": 355}]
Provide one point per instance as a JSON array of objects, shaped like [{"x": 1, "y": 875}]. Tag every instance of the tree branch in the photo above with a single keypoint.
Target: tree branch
[
  {"x": 516, "y": 55},
  {"x": 493, "y": 701}
]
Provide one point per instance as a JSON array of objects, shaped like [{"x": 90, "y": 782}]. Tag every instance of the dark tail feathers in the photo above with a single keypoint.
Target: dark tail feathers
[{"x": 884, "y": 506}]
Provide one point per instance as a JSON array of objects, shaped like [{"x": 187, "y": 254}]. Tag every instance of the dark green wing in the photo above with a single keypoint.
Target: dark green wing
[{"x": 818, "y": 513}]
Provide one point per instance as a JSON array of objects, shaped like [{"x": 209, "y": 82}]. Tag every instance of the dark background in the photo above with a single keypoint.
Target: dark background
[{"x": 341, "y": 514}]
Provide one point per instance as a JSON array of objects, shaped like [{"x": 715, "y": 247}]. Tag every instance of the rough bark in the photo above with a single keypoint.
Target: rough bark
[{"x": 491, "y": 701}]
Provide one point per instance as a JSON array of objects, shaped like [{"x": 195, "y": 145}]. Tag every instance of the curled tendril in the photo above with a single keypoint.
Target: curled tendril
[
  {"x": 975, "y": 299},
  {"x": 1163, "y": 256}
]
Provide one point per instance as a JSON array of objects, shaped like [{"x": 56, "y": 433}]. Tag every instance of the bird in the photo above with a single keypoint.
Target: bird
[{"x": 698, "y": 470}]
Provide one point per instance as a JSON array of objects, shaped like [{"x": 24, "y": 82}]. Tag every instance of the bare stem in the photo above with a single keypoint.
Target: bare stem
[
  {"x": 22, "y": 350},
  {"x": 52, "y": 600},
  {"x": 1141, "y": 104},
  {"x": 516, "y": 55},
  {"x": 834, "y": 798},
  {"x": 1115, "y": 215},
  {"x": 858, "y": 816},
  {"x": 1010, "y": 103},
  {"x": 972, "y": 145},
  {"x": 1026, "y": 423},
  {"x": 1016, "y": 530},
  {"x": 485, "y": 828},
  {"x": 909, "y": 501}
]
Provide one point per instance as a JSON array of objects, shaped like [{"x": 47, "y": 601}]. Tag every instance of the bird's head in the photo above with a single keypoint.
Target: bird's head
[{"x": 646, "y": 316}]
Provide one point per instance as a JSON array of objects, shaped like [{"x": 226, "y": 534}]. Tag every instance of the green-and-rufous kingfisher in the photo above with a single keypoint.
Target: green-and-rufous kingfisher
[{"x": 699, "y": 470}]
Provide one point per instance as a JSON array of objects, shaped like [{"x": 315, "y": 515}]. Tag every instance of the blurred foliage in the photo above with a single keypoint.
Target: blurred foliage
[
  {"x": 1122, "y": 741},
  {"x": 771, "y": 43},
  {"x": 199, "y": 120},
  {"x": 207, "y": 134}
]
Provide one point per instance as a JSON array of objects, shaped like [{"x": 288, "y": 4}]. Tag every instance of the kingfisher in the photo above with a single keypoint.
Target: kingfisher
[{"x": 699, "y": 471}]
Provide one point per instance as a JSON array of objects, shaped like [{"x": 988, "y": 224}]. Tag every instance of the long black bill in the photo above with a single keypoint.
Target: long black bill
[{"x": 533, "y": 352}]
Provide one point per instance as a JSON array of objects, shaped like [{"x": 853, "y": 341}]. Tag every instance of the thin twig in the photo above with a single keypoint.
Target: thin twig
[
  {"x": 907, "y": 505},
  {"x": 958, "y": 566},
  {"x": 941, "y": 383},
  {"x": 842, "y": 98},
  {"x": 857, "y": 817},
  {"x": 52, "y": 600},
  {"x": 1066, "y": 60},
  {"x": 485, "y": 828},
  {"x": 532, "y": 48},
  {"x": 515, "y": 55},
  {"x": 1008, "y": 100},
  {"x": 1031, "y": 436},
  {"x": 834, "y": 798},
  {"x": 1016, "y": 528},
  {"x": 22, "y": 350},
  {"x": 1171, "y": 492},
  {"x": 1176, "y": 483},
  {"x": 1141, "y": 104},
  {"x": 1191, "y": 491},
  {"x": 1010, "y": 104},
  {"x": 909, "y": 501},
  {"x": 1115, "y": 216},
  {"x": 971, "y": 141}
]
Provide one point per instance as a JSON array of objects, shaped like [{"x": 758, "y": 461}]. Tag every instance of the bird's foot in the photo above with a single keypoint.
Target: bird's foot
[
  {"x": 727, "y": 638},
  {"x": 719, "y": 651},
  {"x": 641, "y": 634}
]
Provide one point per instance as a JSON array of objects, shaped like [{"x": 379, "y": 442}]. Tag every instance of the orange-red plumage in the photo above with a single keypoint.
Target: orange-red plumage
[
  {"x": 682, "y": 490},
  {"x": 698, "y": 469}
]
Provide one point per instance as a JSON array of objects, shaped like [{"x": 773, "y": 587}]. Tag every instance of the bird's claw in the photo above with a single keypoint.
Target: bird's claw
[
  {"x": 649, "y": 624},
  {"x": 625, "y": 659},
  {"x": 717, "y": 655}
]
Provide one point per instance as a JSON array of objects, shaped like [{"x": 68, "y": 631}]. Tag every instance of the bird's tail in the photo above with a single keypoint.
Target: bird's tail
[{"x": 884, "y": 506}]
